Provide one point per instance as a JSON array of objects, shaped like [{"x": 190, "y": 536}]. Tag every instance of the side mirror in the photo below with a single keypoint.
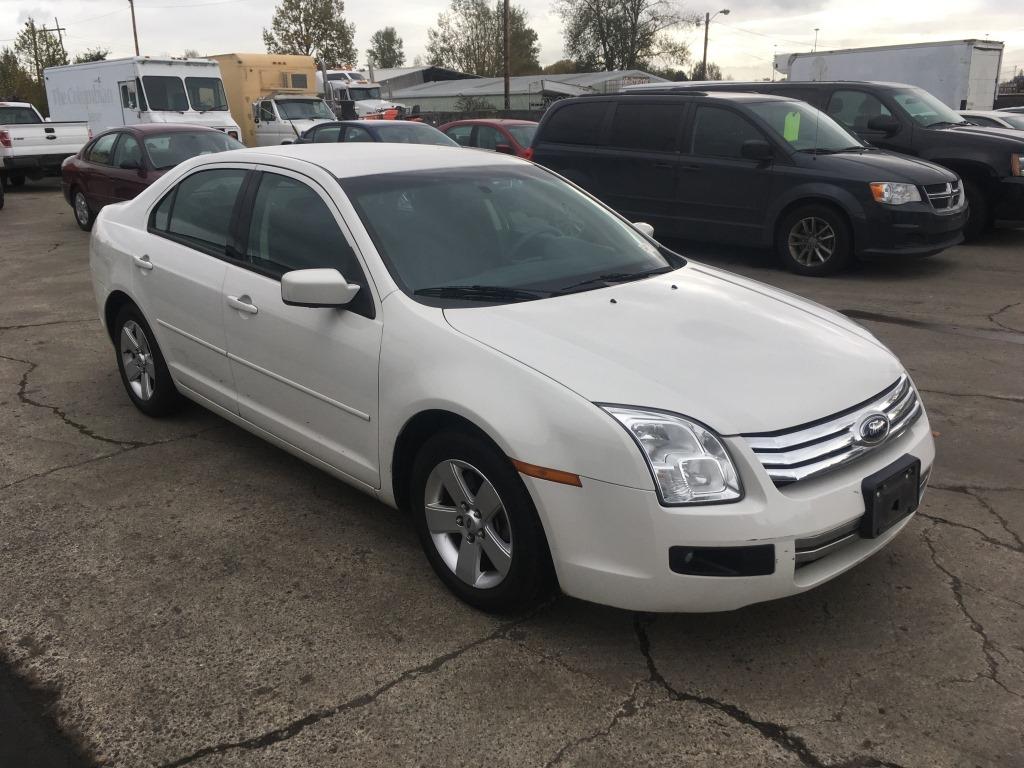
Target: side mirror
[
  {"x": 316, "y": 288},
  {"x": 756, "y": 149},
  {"x": 504, "y": 149},
  {"x": 884, "y": 124},
  {"x": 643, "y": 228}
]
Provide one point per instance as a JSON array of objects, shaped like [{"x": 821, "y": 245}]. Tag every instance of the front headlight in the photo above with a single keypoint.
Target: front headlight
[
  {"x": 689, "y": 463},
  {"x": 1017, "y": 164},
  {"x": 894, "y": 193}
]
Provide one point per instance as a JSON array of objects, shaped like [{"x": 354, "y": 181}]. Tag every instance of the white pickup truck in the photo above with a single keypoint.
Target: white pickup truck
[{"x": 33, "y": 147}]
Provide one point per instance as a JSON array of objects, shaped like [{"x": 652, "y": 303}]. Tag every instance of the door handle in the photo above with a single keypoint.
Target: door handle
[
  {"x": 241, "y": 303},
  {"x": 143, "y": 262}
]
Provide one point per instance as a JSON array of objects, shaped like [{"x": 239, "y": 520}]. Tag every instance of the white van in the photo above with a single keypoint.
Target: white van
[{"x": 140, "y": 89}]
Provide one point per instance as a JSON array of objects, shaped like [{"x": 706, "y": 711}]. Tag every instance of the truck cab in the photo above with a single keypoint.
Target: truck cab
[
  {"x": 282, "y": 119},
  {"x": 365, "y": 95}
]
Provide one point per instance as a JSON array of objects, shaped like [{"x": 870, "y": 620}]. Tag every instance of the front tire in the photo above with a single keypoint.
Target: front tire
[
  {"x": 84, "y": 217},
  {"x": 814, "y": 240},
  {"x": 979, "y": 214},
  {"x": 141, "y": 365},
  {"x": 478, "y": 525}
]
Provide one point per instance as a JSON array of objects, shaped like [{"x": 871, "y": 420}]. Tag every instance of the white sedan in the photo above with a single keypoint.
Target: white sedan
[{"x": 555, "y": 398}]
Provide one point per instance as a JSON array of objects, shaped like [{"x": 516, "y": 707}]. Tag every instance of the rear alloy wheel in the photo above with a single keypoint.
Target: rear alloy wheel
[
  {"x": 477, "y": 523},
  {"x": 83, "y": 213},
  {"x": 815, "y": 240},
  {"x": 141, "y": 365}
]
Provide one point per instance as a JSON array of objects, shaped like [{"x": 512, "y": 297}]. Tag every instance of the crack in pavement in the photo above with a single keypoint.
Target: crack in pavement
[
  {"x": 1003, "y": 398},
  {"x": 953, "y": 524},
  {"x": 628, "y": 708},
  {"x": 295, "y": 727},
  {"x": 779, "y": 734},
  {"x": 969, "y": 491},
  {"x": 998, "y": 312},
  {"x": 987, "y": 646},
  {"x": 48, "y": 322},
  {"x": 24, "y": 398}
]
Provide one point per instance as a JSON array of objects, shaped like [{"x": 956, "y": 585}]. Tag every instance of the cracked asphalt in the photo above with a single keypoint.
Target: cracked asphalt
[{"x": 178, "y": 592}]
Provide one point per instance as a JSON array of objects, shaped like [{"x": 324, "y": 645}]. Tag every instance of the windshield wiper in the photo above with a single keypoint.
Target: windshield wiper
[
  {"x": 482, "y": 293},
  {"x": 614, "y": 277},
  {"x": 946, "y": 124}
]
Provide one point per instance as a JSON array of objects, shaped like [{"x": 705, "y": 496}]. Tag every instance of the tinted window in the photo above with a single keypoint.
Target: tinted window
[
  {"x": 577, "y": 123},
  {"x": 412, "y": 133},
  {"x": 925, "y": 108},
  {"x": 165, "y": 93},
  {"x": 166, "y": 150},
  {"x": 326, "y": 135},
  {"x": 292, "y": 228},
  {"x": 102, "y": 149},
  {"x": 300, "y": 81},
  {"x": 853, "y": 109},
  {"x": 653, "y": 127},
  {"x": 352, "y": 133},
  {"x": 460, "y": 134},
  {"x": 979, "y": 120},
  {"x": 128, "y": 153},
  {"x": 18, "y": 115},
  {"x": 488, "y": 137},
  {"x": 721, "y": 132},
  {"x": 202, "y": 207},
  {"x": 803, "y": 127},
  {"x": 522, "y": 133}
]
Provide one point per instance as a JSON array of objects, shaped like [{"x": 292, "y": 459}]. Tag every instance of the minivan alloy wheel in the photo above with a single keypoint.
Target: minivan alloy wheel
[
  {"x": 139, "y": 362},
  {"x": 468, "y": 524},
  {"x": 812, "y": 241}
]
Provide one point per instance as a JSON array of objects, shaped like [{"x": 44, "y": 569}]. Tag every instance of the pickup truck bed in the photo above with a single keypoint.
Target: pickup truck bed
[{"x": 32, "y": 147}]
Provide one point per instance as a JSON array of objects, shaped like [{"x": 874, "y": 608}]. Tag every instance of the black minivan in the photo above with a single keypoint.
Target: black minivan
[{"x": 752, "y": 169}]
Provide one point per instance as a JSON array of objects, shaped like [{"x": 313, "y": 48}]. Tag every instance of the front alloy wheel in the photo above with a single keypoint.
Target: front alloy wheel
[{"x": 814, "y": 240}]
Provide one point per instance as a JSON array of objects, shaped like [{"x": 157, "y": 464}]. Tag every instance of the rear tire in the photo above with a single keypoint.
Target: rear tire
[
  {"x": 141, "y": 365},
  {"x": 84, "y": 217},
  {"x": 814, "y": 240},
  {"x": 478, "y": 525},
  {"x": 979, "y": 215}
]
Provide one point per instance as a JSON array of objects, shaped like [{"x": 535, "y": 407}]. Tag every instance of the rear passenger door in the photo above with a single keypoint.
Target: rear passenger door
[
  {"x": 638, "y": 172},
  {"x": 721, "y": 194},
  {"x": 306, "y": 375}
]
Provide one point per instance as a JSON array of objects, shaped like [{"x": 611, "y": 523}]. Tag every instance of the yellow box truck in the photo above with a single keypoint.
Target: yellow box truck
[{"x": 272, "y": 97}]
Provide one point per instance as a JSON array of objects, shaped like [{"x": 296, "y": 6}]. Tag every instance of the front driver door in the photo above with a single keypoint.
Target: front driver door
[
  {"x": 128, "y": 174},
  {"x": 306, "y": 375}
]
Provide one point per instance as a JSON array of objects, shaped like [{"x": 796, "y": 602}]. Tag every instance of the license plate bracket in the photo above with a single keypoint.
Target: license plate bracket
[{"x": 890, "y": 495}]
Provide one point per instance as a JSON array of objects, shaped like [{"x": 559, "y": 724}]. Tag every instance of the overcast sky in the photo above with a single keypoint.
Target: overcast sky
[{"x": 742, "y": 42}]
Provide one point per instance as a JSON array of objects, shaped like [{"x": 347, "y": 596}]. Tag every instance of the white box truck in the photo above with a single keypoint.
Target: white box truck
[
  {"x": 963, "y": 74},
  {"x": 140, "y": 89}
]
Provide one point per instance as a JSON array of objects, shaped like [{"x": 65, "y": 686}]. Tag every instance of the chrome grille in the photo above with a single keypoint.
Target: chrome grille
[
  {"x": 801, "y": 452},
  {"x": 944, "y": 197}
]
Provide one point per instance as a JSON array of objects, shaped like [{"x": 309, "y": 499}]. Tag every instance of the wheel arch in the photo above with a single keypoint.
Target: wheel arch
[
  {"x": 115, "y": 302},
  {"x": 827, "y": 202}
]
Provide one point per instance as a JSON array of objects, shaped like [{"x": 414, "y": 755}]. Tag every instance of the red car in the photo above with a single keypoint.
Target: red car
[
  {"x": 511, "y": 137},
  {"x": 120, "y": 163}
]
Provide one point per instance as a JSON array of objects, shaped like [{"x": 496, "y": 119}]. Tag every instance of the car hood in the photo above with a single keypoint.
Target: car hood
[
  {"x": 1011, "y": 138},
  {"x": 877, "y": 165},
  {"x": 737, "y": 355}
]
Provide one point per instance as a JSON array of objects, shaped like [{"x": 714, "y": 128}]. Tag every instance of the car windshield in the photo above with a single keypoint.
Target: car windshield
[
  {"x": 413, "y": 133},
  {"x": 166, "y": 150},
  {"x": 165, "y": 93},
  {"x": 362, "y": 94},
  {"x": 1017, "y": 121},
  {"x": 497, "y": 234},
  {"x": 304, "y": 109},
  {"x": 805, "y": 128},
  {"x": 20, "y": 115},
  {"x": 206, "y": 93},
  {"x": 925, "y": 109},
  {"x": 522, "y": 133}
]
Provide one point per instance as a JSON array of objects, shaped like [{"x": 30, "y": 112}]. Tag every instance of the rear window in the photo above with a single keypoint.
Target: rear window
[
  {"x": 166, "y": 150},
  {"x": 650, "y": 127},
  {"x": 522, "y": 133},
  {"x": 18, "y": 115},
  {"x": 576, "y": 123}
]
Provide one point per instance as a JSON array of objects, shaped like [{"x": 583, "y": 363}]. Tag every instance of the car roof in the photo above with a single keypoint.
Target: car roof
[
  {"x": 492, "y": 121},
  {"x": 344, "y": 160},
  {"x": 738, "y": 97},
  {"x": 148, "y": 128},
  {"x": 372, "y": 123}
]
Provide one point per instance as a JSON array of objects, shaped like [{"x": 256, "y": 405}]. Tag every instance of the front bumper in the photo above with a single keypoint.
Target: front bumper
[
  {"x": 610, "y": 543},
  {"x": 914, "y": 229}
]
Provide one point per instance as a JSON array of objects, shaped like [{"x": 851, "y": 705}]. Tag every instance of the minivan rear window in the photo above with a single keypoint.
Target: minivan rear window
[{"x": 576, "y": 123}]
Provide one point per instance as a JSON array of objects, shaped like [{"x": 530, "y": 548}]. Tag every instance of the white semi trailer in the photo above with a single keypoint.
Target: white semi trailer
[{"x": 963, "y": 74}]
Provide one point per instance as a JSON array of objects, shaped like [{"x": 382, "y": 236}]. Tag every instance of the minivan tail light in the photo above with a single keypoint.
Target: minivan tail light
[
  {"x": 5, "y": 139},
  {"x": 528, "y": 153}
]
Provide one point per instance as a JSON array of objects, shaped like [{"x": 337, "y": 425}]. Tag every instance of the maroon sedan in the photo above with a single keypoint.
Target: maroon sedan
[
  {"x": 511, "y": 137},
  {"x": 120, "y": 163}
]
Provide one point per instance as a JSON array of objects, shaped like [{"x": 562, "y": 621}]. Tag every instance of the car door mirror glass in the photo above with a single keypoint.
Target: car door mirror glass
[
  {"x": 756, "y": 149},
  {"x": 884, "y": 124},
  {"x": 316, "y": 288}
]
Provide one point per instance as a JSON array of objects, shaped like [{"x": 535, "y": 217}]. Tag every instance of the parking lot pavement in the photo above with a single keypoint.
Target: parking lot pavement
[{"x": 180, "y": 593}]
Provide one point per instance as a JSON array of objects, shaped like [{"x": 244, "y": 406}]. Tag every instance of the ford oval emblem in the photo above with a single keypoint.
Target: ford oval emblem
[{"x": 872, "y": 429}]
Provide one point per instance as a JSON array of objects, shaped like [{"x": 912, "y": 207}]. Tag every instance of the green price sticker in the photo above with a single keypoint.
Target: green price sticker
[{"x": 791, "y": 129}]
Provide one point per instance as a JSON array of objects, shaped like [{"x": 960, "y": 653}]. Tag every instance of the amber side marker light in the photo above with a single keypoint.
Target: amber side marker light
[{"x": 554, "y": 475}]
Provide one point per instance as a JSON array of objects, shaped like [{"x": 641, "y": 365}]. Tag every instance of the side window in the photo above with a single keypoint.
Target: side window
[
  {"x": 354, "y": 133},
  {"x": 103, "y": 148},
  {"x": 128, "y": 153},
  {"x": 853, "y": 109},
  {"x": 721, "y": 133},
  {"x": 267, "y": 111},
  {"x": 460, "y": 134},
  {"x": 128, "y": 96},
  {"x": 327, "y": 135},
  {"x": 650, "y": 127},
  {"x": 488, "y": 137},
  {"x": 576, "y": 123},
  {"x": 201, "y": 208}
]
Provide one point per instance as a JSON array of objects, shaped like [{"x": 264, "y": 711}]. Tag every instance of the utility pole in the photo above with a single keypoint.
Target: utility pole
[
  {"x": 704, "y": 64},
  {"x": 58, "y": 29},
  {"x": 135, "y": 30},
  {"x": 35, "y": 50},
  {"x": 506, "y": 54},
  {"x": 815, "y": 40}
]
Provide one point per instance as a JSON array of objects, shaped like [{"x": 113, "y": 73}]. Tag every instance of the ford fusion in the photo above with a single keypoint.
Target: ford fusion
[{"x": 554, "y": 397}]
